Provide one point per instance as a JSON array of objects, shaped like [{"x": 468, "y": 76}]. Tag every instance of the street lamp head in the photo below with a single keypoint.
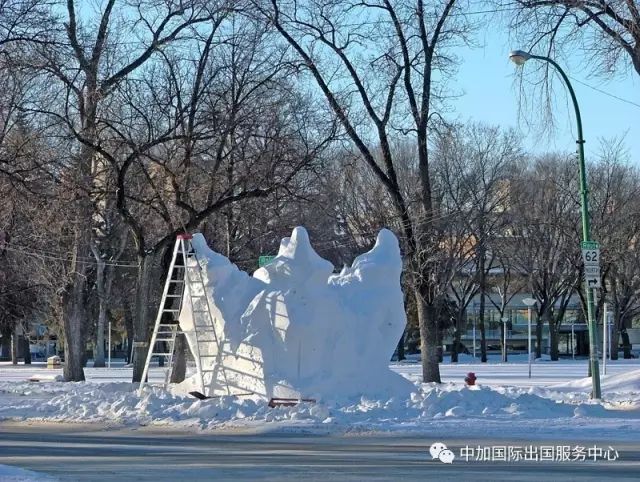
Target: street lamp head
[
  {"x": 519, "y": 57},
  {"x": 529, "y": 301}
]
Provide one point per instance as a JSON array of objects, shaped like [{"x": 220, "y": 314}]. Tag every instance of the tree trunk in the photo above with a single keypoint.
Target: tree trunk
[
  {"x": 74, "y": 315},
  {"x": 14, "y": 345},
  {"x": 554, "y": 340},
  {"x": 5, "y": 342},
  {"x": 456, "y": 343},
  {"x": 102, "y": 313},
  {"x": 128, "y": 326},
  {"x": 428, "y": 325},
  {"x": 614, "y": 342},
  {"x": 482, "y": 286},
  {"x": 141, "y": 328},
  {"x": 539, "y": 326},
  {"x": 74, "y": 306},
  {"x": 179, "y": 370},
  {"x": 26, "y": 350},
  {"x": 626, "y": 344}
]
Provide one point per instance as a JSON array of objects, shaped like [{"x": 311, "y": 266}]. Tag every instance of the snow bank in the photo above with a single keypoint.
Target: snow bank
[
  {"x": 16, "y": 474},
  {"x": 628, "y": 382},
  {"x": 119, "y": 403},
  {"x": 294, "y": 329}
]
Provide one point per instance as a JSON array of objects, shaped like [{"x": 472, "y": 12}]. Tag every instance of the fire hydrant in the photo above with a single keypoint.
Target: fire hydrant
[{"x": 470, "y": 379}]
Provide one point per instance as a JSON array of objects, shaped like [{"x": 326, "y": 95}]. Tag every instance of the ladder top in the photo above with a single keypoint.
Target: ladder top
[{"x": 184, "y": 236}]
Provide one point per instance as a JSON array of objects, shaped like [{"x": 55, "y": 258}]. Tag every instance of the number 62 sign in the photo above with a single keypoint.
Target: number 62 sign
[{"x": 591, "y": 259}]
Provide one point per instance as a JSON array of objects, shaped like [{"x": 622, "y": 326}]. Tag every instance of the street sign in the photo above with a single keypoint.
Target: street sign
[
  {"x": 591, "y": 254},
  {"x": 592, "y": 270},
  {"x": 593, "y": 282},
  {"x": 591, "y": 259}
]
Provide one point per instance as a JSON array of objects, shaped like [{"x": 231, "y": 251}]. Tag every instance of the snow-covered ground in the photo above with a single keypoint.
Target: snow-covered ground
[
  {"x": 555, "y": 401},
  {"x": 9, "y": 473}
]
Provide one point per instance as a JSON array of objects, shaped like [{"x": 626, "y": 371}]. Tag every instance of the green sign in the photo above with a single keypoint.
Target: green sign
[
  {"x": 590, "y": 245},
  {"x": 265, "y": 260}
]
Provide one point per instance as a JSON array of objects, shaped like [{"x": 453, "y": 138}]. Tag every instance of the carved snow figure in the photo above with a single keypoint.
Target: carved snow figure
[{"x": 294, "y": 329}]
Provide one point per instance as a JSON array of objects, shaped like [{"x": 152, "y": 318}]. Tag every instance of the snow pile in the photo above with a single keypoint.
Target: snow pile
[
  {"x": 295, "y": 329},
  {"x": 628, "y": 382},
  {"x": 118, "y": 403},
  {"x": 16, "y": 474}
]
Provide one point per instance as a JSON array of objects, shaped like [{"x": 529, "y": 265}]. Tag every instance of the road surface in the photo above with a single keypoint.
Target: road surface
[{"x": 93, "y": 453}]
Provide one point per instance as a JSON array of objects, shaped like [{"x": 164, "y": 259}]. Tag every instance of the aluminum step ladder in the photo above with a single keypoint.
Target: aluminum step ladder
[{"x": 185, "y": 271}]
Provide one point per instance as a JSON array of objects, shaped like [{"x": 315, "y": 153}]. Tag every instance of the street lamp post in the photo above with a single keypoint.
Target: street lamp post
[
  {"x": 529, "y": 302},
  {"x": 519, "y": 57}
]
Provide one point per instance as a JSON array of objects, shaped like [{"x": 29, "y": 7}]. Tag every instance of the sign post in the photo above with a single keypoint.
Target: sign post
[{"x": 591, "y": 259}]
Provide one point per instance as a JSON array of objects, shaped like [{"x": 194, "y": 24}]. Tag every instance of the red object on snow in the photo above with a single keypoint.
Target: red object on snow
[{"x": 470, "y": 379}]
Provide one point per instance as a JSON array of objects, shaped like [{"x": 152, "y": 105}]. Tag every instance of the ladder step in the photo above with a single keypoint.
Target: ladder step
[
  {"x": 170, "y": 310},
  {"x": 165, "y": 339},
  {"x": 174, "y": 296},
  {"x": 176, "y": 281},
  {"x": 161, "y": 354}
]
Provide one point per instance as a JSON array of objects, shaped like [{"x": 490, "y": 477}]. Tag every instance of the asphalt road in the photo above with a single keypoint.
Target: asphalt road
[{"x": 93, "y": 453}]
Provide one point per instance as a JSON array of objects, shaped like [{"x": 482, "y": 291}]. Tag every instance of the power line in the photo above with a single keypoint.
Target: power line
[
  {"x": 605, "y": 92},
  {"x": 32, "y": 252}
]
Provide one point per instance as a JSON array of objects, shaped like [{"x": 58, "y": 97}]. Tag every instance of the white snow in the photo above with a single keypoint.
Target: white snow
[
  {"x": 9, "y": 473},
  {"x": 296, "y": 330},
  {"x": 556, "y": 407}
]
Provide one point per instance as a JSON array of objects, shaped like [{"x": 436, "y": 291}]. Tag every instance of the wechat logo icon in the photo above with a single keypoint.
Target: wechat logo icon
[{"x": 439, "y": 451}]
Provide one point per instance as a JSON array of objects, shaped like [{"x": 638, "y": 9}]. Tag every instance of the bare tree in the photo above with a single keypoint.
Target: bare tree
[
  {"x": 607, "y": 31},
  {"x": 507, "y": 282},
  {"x": 546, "y": 219},
  {"x": 615, "y": 185},
  {"x": 83, "y": 65},
  {"x": 372, "y": 107},
  {"x": 24, "y": 21},
  {"x": 197, "y": 135},
  {"x": 476, "y": 165}
]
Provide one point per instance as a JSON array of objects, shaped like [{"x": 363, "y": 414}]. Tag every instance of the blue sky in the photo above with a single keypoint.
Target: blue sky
[{"x": 486, "y": 77}]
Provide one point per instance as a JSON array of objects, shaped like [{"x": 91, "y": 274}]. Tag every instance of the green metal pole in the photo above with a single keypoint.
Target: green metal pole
[{"x": 584, "y": 202}]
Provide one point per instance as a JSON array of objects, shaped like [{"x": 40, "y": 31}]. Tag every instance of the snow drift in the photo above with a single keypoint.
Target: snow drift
[{"x": 295, "y": 329}]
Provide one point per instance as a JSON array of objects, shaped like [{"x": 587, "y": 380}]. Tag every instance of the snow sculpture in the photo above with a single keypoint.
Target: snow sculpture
[{"x": 296, "y": 330}]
